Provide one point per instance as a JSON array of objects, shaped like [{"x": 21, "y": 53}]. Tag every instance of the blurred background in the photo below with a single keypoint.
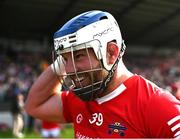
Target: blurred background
[{"x": 150, "y": 28}]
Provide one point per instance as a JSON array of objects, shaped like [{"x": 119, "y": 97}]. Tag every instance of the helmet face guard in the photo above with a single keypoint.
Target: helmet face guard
[
  {"x": 84, "y": 92},
  {"x": 91, "y": 91}
]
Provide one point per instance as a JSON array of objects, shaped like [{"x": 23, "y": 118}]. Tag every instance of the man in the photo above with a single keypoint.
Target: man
[
  {"x": 104, "y": 100},
  {"x": 17, "y": 109}
]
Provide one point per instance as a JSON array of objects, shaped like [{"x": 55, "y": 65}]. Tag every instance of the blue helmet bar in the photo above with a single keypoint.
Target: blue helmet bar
[{"x": 79, "y": 22}]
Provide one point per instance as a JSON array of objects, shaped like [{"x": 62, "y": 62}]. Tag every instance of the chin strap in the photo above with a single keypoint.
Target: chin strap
[{"x": 114, "y": 67}]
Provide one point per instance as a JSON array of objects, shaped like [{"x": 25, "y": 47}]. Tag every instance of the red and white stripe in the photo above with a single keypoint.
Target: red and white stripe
[{"x": 175, "y": 125}]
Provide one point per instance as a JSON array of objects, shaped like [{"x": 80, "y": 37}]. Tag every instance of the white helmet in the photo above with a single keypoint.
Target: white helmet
[{"x": 93, "y": 29}]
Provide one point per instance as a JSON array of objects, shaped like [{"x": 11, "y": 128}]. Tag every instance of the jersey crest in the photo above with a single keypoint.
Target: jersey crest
[{"x": 117, "y": 128}]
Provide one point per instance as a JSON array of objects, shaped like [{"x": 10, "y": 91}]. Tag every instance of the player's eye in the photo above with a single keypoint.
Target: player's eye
[{"x": 79, "y": 56}]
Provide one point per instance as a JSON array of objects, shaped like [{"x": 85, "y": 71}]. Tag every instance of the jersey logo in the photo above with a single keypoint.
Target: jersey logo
[
  {"x": 117, "y": 128},
  {"x": 79, "y": 118}
]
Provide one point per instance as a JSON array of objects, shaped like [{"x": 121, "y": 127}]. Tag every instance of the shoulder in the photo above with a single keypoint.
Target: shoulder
[
  {"x": 163, "y": 114},
  {"x": 147, "y": 83},
  {"x": 141, "y": 87},
  {"x": 157, "y": 97},
  {"x": 162, "y": 108},
  {"x": 164, "y": 100},
  {"x": 138, "y": 81},
  {"x": 148, "y": 88}
]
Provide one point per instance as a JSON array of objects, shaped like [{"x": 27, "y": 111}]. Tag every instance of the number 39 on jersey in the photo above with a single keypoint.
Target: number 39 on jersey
[{"x": 97, "y": 118}]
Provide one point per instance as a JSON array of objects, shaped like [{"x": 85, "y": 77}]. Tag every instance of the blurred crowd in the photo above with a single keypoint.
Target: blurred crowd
[
  {"x": 162, "y": 70},
  {"x": 17, "y": 73}
]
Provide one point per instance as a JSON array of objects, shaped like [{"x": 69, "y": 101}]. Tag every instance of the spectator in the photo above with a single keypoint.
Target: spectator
[{"x": 17, "y": 110}]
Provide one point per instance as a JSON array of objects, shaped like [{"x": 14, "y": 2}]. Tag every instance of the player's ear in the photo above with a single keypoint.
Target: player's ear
[{"x": 112, "y": 52}]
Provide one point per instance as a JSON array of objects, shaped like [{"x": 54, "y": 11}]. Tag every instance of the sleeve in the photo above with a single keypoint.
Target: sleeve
[
  {"x": 163, "y": 115},
  {"x": 66, "y": 106}
]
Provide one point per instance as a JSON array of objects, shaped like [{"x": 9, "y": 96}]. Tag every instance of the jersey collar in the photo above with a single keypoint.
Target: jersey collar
[{"x": 112, "y": 95}]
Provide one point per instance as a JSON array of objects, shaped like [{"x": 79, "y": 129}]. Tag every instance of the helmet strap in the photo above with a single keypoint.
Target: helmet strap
[{"x": 113, "y": 69}]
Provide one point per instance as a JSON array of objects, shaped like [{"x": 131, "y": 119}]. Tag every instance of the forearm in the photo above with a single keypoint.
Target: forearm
[{"x": 42, "y": 90}]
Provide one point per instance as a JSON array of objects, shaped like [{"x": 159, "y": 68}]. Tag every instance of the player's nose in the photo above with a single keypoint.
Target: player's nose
[{"x": 70, "y": 66}]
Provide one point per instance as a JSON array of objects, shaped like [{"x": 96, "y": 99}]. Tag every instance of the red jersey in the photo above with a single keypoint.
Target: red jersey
[
  {"x": 137, "y": 108},
  {"x": 49, "y": 125}
]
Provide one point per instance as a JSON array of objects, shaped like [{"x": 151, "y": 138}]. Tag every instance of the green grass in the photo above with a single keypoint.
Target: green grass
[{"x": 67, "y": 132}]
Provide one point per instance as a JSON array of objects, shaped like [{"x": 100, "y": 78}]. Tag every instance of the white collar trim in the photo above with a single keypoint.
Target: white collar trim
[{"x": 112, "y": 95}]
